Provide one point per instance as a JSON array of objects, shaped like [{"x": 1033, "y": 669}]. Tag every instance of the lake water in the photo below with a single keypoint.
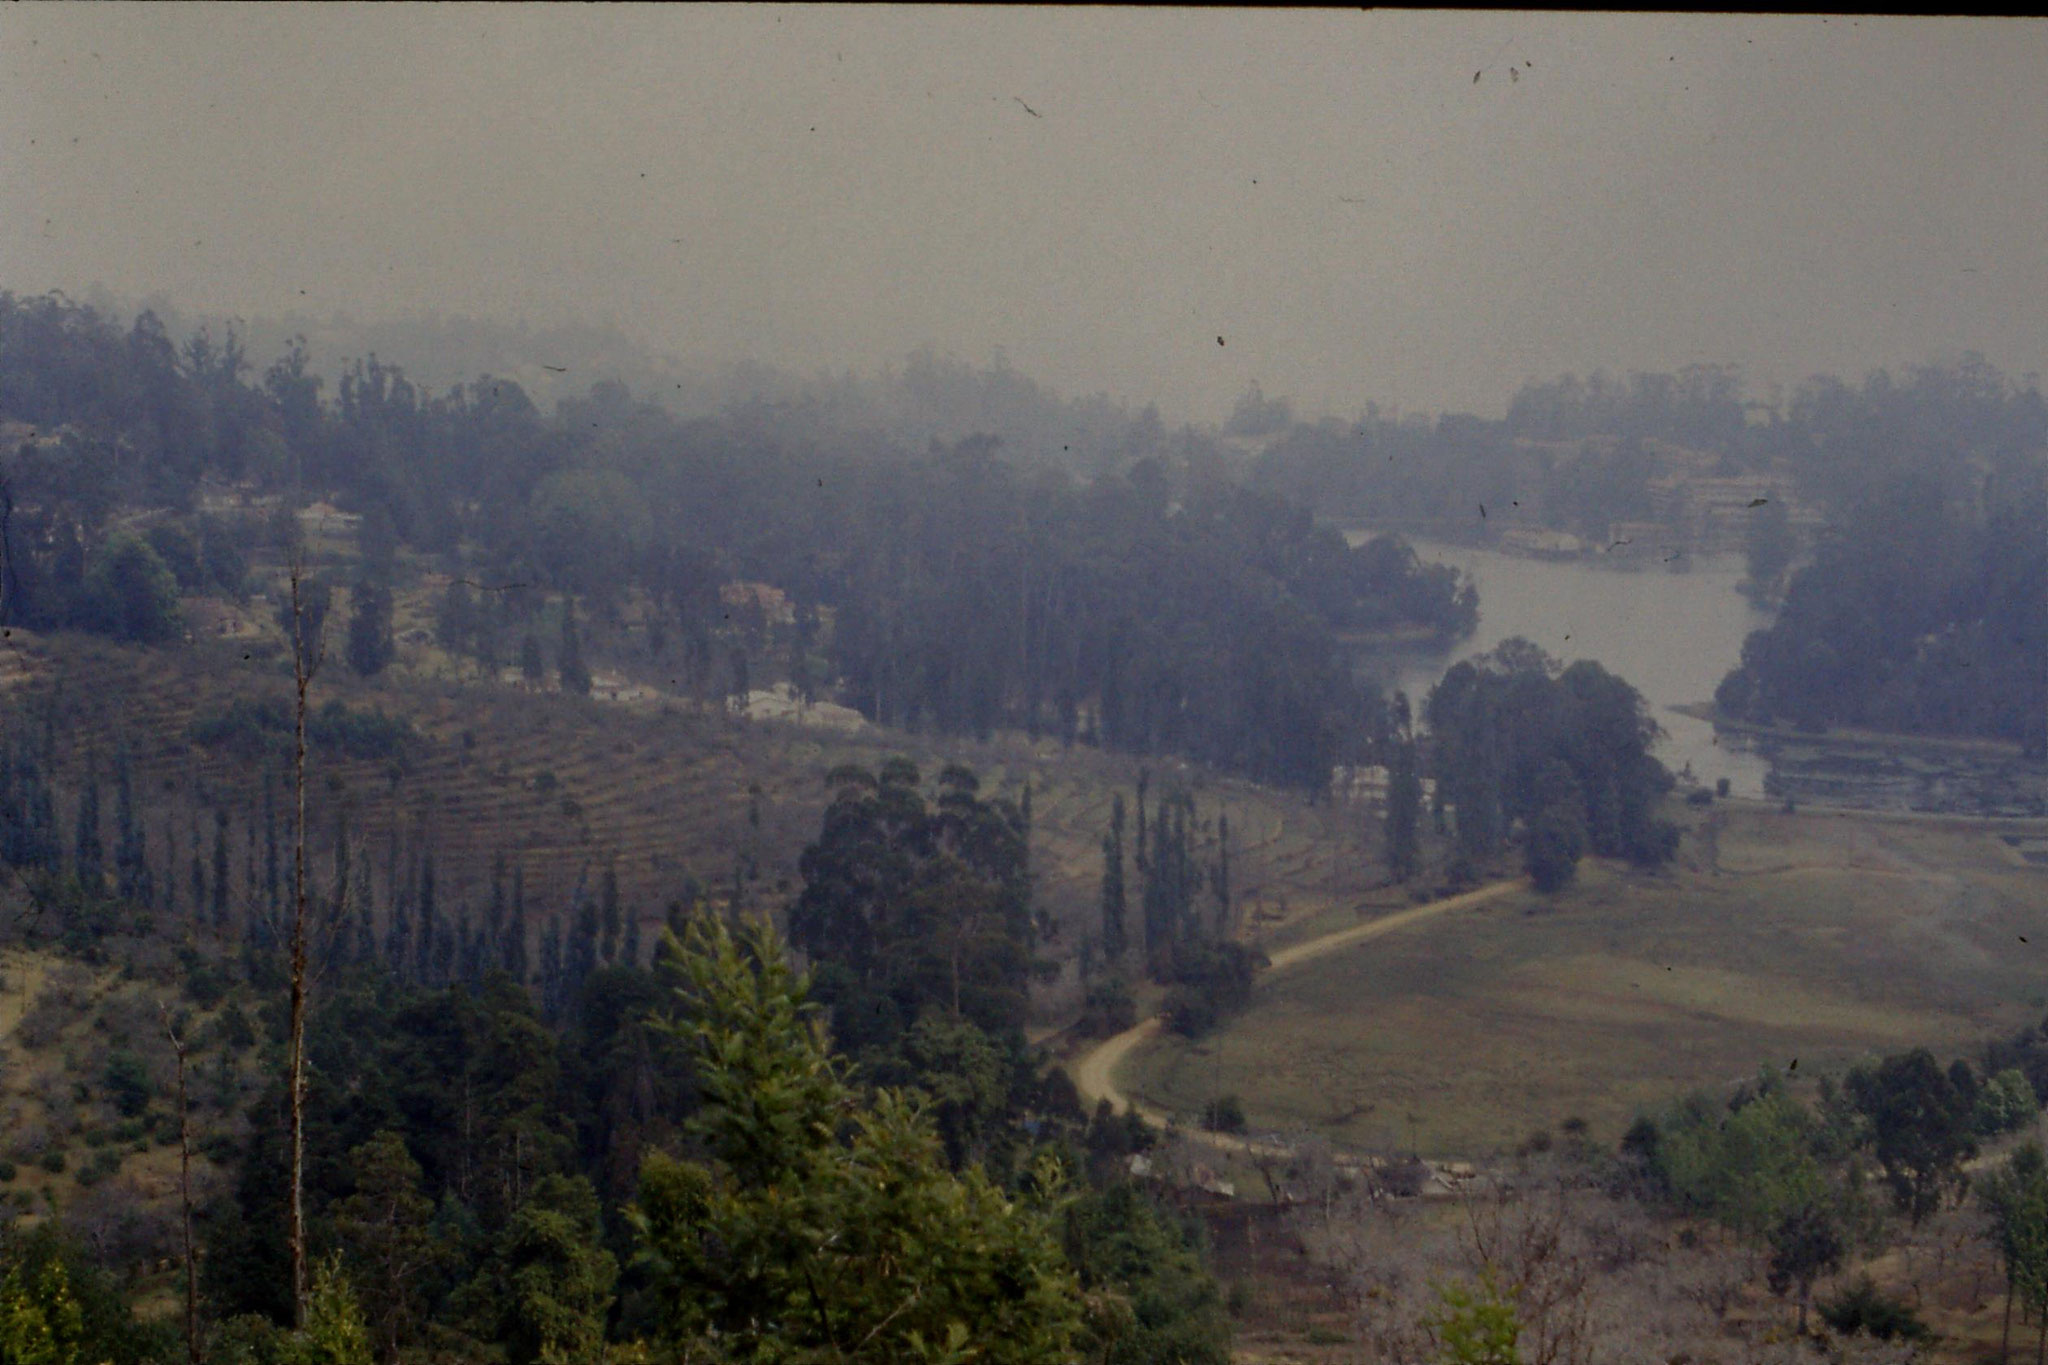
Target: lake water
[{"x": 1672, "y": 635}]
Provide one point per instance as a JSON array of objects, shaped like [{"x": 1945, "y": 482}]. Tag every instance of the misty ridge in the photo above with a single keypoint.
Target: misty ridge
[
  {"x": 802, "y": 686},
  {"x": 926, "y": 397}
]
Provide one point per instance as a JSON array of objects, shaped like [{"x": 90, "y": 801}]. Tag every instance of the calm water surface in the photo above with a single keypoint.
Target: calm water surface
[{"x": 1673, "y": 635}]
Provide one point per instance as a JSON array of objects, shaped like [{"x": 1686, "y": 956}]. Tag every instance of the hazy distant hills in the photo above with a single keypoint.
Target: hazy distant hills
[{"x": 926, "y": 396}]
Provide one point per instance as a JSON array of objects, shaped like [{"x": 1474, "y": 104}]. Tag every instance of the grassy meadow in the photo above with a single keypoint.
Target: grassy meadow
[{"x": 1820, "y": 938}]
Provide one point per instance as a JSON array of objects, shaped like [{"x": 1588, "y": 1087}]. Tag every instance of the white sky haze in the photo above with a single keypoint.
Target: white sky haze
[{"x": 1101, "y": 193}]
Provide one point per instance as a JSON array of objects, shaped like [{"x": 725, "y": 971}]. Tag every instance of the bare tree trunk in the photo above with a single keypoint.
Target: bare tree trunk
[
  {"x": 302, "y": 675},
  {"x": 2005, "y": 1334},
  {"x": 185, "y": 1191}
]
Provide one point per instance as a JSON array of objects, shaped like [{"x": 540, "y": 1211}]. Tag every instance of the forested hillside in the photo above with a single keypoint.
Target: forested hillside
[
  {"x": 536, "y": 1125},
  {"x": 925, "y": 396},
  {"x": 531, "y": 1131},
  {"x": 1574, "y": 455},
  {"x": 1158, "y": 608},
  {"x": 809, "y": 685},
  {"x": 1581, "y": 455},
  {"x": 1925, "y": 608}
]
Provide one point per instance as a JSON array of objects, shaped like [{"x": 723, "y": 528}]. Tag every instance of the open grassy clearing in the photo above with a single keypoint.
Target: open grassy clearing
[{"x": 1821, "y": 938}]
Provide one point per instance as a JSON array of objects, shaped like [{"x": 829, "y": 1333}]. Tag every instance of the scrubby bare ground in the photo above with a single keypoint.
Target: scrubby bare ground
[{"x": 1595, "y": 1277}]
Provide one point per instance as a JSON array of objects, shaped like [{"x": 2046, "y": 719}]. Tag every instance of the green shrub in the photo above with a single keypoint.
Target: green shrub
[
  {"x": 1475, "y": 1325},
  {"x": 1109, "y": 1009},
  {"x": 104, "y": 1163},
  {"x": 1120, "y": 1238},
  {"x": 6, "y": 1172},
  {"x": 2006, "y": 1102},
  {"x": 366, "y": 734},
  {"x": 175, "y": 547},
  {"x": 1212, "y": 980},
  {"x": 1555, "y": 842},
  {"x": 1224, "y": 1114},
  {"x": 130, "y": 594},
  {"x": 248, "y": 726},
  {"x": 53, "y": 1161},
  {"x": 236, "y": 1032},
  {"x": 1863, "y": 1307},
  {"x": 206, "y": 982},
  {"x": 127, "y": 1083},
  {"x": 254, "y": 726},
  {"x": 57, "y": 1304}
]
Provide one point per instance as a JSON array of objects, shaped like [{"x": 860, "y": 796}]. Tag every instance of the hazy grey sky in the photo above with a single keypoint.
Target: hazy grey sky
[{"x": 1102, "y": 193}]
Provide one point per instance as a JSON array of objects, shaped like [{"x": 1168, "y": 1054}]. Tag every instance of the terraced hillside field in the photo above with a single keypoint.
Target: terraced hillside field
[
  {"x": 1816, "y": 938},
  {"x": 662, "y": 791}
]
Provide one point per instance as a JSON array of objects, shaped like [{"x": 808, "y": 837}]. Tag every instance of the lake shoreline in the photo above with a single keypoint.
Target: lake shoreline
[
  {"x": 1396, "y": 637},
  {"x": 1591, "y": 557},
  {"x": 1845, "y": 737}
]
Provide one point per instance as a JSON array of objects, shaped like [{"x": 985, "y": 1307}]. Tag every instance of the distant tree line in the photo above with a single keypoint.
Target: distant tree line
[
  {"x": 1437, "y": 473},
  {"x": 1925, "y": 610},
  {"x": 1574, "y": 453},
  {"x": 1571, "y": 454},
  {"x": 1156, "y": 608}
]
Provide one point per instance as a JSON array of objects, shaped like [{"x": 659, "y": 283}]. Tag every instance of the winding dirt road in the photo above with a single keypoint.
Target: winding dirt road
[{"x": 1094, "y": 1072}]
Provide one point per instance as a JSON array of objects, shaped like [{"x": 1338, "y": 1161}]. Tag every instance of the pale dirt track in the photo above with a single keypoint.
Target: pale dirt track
[{"x": 1094, "y": 1072}]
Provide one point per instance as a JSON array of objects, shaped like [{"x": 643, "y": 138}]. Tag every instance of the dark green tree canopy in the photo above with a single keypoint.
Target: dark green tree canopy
[
  {"x": 370, "y": 646},
  {"x": 130, "y": 593},
  {"x": 821, "y": 1225},
  {"x": 1921, "y": 1129},
  {"x": 910, "y": 904},
  {"x": 1513, "y": 735}
]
